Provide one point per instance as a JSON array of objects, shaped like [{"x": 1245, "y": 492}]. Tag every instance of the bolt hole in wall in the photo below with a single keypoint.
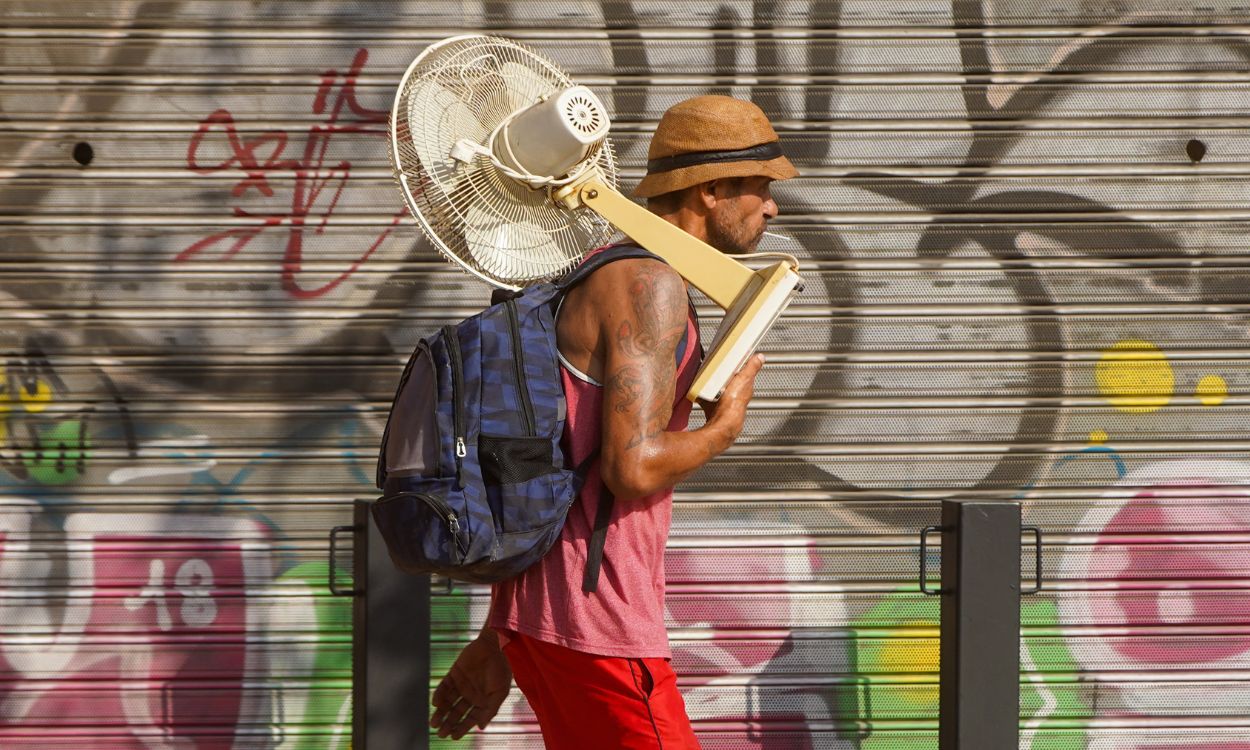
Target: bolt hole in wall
[
  {"x": 1195, "y": 150},
  {"x": 83, "y": 153},
  {"x": 198, "y": 335}
]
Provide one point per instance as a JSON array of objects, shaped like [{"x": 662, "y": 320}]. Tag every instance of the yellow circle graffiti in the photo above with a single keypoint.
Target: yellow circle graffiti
[
  {"x": 914, "y": 658},
  {"x": 36, "y": 400},
  {"x": 1135, "y": 377},
  {"x": 1211, "y": 390}
]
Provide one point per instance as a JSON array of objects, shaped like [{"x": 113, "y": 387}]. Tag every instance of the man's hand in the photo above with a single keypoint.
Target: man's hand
[
  {"x": 473, "y": 690},
  {"x": 730, "y": 411}
]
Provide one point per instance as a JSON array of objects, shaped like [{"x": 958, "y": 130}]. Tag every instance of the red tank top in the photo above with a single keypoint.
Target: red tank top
[{"x": 625, "y": 617}]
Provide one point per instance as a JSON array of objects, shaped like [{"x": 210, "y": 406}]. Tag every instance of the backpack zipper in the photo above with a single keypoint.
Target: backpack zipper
[
  {"x": 518, "y": 362},
  {"x": 439, "y": 507},
  {"x": 457, "y": 393}
]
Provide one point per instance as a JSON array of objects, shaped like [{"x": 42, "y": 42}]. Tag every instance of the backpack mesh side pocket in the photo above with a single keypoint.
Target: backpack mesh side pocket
[
  {"x": 508, "y": 460},
  {"x": 412, "y": 442}
]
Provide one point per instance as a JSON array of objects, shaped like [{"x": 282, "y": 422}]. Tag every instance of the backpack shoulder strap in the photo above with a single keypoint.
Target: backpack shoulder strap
[
  {"x": 601, "y": 259},
  {"x": 598, "y": 538}
]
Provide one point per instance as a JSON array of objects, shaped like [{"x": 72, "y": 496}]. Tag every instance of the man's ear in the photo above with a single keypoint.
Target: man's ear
[{"x": 707, "y": 194}]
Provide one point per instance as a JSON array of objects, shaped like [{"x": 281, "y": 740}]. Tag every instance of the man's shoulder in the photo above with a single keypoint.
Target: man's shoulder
[
  {"x": 629, "y": 278},
  {"x": 633, "y": 265}
]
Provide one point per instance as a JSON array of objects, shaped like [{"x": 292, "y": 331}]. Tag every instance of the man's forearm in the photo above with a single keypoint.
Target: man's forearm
[{"x": 664, "y": 459}]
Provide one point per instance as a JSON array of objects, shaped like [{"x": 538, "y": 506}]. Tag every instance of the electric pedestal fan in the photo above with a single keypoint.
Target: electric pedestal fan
[{"x": 506, "y": 166}]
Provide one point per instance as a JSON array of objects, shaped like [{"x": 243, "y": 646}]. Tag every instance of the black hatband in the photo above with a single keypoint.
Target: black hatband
[{"x": 762, "y": 152}]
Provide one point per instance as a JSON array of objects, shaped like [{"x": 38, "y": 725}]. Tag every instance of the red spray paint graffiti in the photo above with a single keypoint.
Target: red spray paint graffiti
[{"x": 316, "y": 188}]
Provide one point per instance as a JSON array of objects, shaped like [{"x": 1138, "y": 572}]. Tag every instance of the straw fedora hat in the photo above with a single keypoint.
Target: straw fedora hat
[{"x": 710, "y": 138}]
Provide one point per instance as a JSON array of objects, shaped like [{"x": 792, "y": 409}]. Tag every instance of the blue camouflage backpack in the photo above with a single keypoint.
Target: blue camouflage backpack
[{"x": 471, "y": 469}]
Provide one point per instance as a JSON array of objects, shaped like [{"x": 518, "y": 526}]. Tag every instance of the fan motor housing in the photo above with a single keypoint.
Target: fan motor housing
[{"x": 554, "y": 135}]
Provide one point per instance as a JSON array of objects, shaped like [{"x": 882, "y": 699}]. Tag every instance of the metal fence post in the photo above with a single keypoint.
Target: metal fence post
[
  {"x": 979, "y": 692},
  {"x": 390, "y": 646}
]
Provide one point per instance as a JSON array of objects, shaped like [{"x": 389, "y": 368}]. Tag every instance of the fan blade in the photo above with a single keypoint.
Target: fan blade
[
  {"x": 455, "y": 95},
  {"x": 437, "y": 119},
  {"x": 510, "y": 248},
  {"x": 525, "y": 85}
]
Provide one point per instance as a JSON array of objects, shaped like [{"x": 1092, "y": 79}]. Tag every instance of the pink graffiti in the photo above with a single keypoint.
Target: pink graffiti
[
  {"x": 316, "y": 188},
  {"x": 713, "y": 669},
  {"x": 151, "y": 649},
  {"x": 725, "y": 613},
  {"x": 1209, "y": 583}
]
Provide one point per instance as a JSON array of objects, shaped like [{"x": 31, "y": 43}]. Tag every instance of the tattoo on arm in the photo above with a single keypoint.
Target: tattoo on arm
[
  {"x": 654, "y": 300},
  {"x": 654, "y": 303},
  {"x": 643, "y": 384},
  {"x": 626, "y": 387},
  {"x": 631, "y": 345}
]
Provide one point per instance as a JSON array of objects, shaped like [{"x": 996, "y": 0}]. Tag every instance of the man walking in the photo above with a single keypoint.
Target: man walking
[{"x": 594, "y": 665}]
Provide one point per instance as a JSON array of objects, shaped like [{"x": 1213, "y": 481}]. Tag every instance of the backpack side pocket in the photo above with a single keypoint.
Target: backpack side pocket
[
  {"x": 411, "y": 443},
  {"x": 422, "y": 532}
]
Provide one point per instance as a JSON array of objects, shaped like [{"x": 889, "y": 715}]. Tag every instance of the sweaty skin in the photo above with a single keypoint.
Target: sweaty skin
[{"x": 622, "y": 327}]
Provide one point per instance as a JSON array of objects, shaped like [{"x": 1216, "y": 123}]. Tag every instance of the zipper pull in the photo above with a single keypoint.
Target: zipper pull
[
  {"x": 461, "y": 452},
  {"x": 457, "y": 555}
]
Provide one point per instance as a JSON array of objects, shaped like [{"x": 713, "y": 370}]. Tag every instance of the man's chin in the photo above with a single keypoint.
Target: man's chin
[
  {"x": 745, "y": 248},
  {"x": 730, "y": 245}
]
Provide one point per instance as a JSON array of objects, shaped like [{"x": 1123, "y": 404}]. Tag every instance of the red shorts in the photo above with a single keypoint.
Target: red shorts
[{"x": 584, "y": 701}]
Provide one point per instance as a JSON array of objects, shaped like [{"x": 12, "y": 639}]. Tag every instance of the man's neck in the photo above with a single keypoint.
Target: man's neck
[{"x": 690, "y": 222}]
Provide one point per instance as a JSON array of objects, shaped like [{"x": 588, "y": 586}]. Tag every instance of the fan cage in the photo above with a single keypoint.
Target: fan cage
[{"x": 498, "y": 229}]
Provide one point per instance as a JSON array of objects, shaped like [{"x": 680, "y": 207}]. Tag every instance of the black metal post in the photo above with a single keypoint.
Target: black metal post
[
  {"x": 980, "y": 652},
  {"x": 390, "y": 647}
]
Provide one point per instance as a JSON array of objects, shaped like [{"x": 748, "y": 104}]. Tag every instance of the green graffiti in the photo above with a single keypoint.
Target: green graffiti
[
  {"x": 329, "y": 710},
  {"x": 1049, "y": 692},
  {"x": 896, "y": 662},
  {"x": 60, "y": 454},
  {"x": 450, "y": 629}
]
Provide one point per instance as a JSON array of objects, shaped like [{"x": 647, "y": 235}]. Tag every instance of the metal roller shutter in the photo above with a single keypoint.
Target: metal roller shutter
[{"x": 1023, "y": 226}]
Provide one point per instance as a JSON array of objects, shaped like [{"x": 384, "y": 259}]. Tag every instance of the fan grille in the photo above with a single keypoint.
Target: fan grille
[{"x": 493, "y": 226}]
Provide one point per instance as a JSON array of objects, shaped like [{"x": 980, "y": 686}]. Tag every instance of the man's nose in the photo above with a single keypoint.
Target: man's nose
[{"x": 770, "y": 209}]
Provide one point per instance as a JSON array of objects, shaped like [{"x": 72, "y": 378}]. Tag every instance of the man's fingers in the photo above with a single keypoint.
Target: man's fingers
[
  {"x": 748, "y": 371},
  {"x": 446, "y": 719},
  {"x": 445, "y": 700},
  {"x": 752, "y": 368},
  {"x": 460, "y": 718},
  {"x": 474, "y": 716},
  {"x": 744, "y": 379},
  {"x": 484, "y": 714},
  {"x": 446, "y": 694},
  {"x": 439, "y": 717}
]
